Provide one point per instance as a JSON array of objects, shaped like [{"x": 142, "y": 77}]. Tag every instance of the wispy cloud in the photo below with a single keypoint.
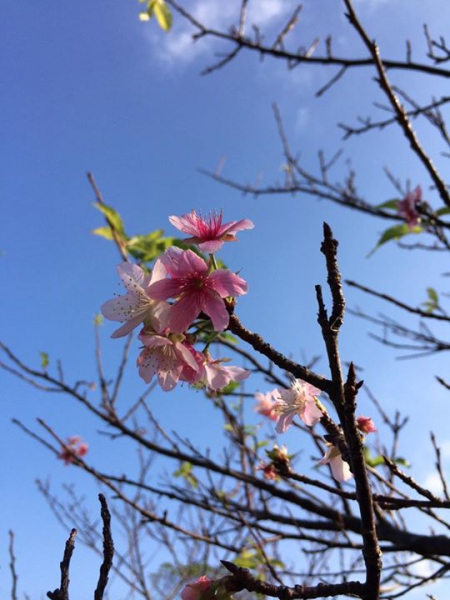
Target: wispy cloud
[{"x": 177, "y": 48}]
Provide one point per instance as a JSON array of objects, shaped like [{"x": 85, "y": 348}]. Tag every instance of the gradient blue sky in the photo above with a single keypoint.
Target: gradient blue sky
[{"x": 87, "y": 87}]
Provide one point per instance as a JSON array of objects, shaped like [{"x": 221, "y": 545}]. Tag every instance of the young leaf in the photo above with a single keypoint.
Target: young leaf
[
  {"x": 395, "y": 233},
  {"x": 146, "y": 248},
  {"x": 391, "y": 204},
  {"x": 443, "y": 211},
  {"x": 105, "y": 232},
  {"x": 45, "y": 360},
  {"x": 433, "y": 295},
  {"x": 113, "y": 217},
  {"x": 163, "y": 15}
]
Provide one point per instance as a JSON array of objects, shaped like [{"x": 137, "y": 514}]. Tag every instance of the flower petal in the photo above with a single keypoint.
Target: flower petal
[
  {"x": 214, "y": 307},
  {"x": 184, "y": 312},
  {"x": 123, "y": 308},
  {"x": 226, "y": 283},
  {"x": 132, "y": 277}
]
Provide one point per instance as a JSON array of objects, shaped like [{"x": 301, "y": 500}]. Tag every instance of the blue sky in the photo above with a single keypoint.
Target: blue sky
[{"x": 90, "y": 88}]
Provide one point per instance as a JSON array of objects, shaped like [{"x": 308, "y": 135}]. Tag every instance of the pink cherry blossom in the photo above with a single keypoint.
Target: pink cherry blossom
[
  {"x": 365, "y": 424},
  {"x": 266, "y": 405},
  {"x": 198, "y": 589},
  {"x": 299, "y": 400},
  {"x": 211, "y": 373},
  {"x": 136, "y": 307},
  {"x": 407, "y": 208},
  {"x": 74, "y": 447},
  {"x": 269, "y": 471},
  {"x": 209, "y": 234},
  {"x": 218, "y": 376},
  {"x": 340, "y": 469},
  {"x": 164, "y": 356},
  {"x": 196, "y": 290}
]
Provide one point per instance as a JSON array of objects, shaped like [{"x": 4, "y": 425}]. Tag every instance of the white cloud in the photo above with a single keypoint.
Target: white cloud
[
  {"x": 445, "y": 449},
  {"x": 177, "y": 47},
  {"x": 433, "y": 483},
  {"x": 302, "y": 118}
]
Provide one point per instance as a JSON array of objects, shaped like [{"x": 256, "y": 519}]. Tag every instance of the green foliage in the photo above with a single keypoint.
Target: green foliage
[
  {"x": 432, "y": 304},
  {"x": 228, "y": 337},
  {"x": 390, "y": 204},
  {"x": 254, "y": 558},
  {"x": 186, "y": 472},
  {"x": 146, "y": 248},
  {"x": 376, "y": 461},
  {"x": 230, "y": 388},
  {"x": 114, "y": 219},
  {"x": 445, "y": 210},
  {"x": 45, "y": 360},
  {"x": 160, "y": 10},
  {"x": 395, "y": 233},
  {"x": 105, "y": 232}
]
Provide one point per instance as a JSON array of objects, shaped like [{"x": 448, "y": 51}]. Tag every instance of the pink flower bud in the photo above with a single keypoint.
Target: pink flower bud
[{"x": 365, "y": 424}]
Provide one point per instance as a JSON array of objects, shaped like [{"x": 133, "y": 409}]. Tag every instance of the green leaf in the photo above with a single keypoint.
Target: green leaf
[
  {"x": 45, "y": 360},
  {"x": 230, "y": 388},
  {"x": 185, "y": 471},
  {"x": 113, "y": 217},
  {"x": 147, "y": 248},
  {"x": 105, "y": 232},
  {"x": 443, "y": 211},
  {"x": 395, "y": 233},
  {"x": 392, "y": 204},
  {"x": 433, "y": 295},
  {"x": 247, "y": 560},
  {"x": 163, "y": 15},
  {"x": 403, "y": 462},
  {"x": 372, "y": 461},
  {"x": 229, "y": 337}
]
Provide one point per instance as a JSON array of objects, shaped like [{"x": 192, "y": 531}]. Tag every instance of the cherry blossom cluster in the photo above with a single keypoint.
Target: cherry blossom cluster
[
  {"x": 74, "y": 448},
  {"x": 301, "y": 400},
  {"x": 407, "y": 208},
  {"x": 184, "y": 295}
]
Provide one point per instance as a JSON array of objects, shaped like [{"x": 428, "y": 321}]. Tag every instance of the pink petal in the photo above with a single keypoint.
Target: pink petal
[
  {"x": 132, "y": 277},
  {"x": 233, "y": 226},
  {"x": 159, "y": 272},
  {"x": 226, "y": 283},
  {"x": 180, "y": 263},
  {"x": 120, "y": 308},
  {"x": 168, "y": 379},
  {"x": 285, "y": 421},
  {"x": 209, "y": 247},
  {"x": 186, "y": 223},
  {"x": 127, "y": 327},
  {"x": 311, "y": 414},
  {"x": 185, "y": 356},
  {"x": 237, "y": 373},
  {"x": 165, "y": 289},
  {"x": 340, "y": 469},
  {"x": 216, "y": 377},
  {"x": 214, "y": 307},
  {"x": 184, "y": 312},
  {"x": 154, "y": 341}
]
